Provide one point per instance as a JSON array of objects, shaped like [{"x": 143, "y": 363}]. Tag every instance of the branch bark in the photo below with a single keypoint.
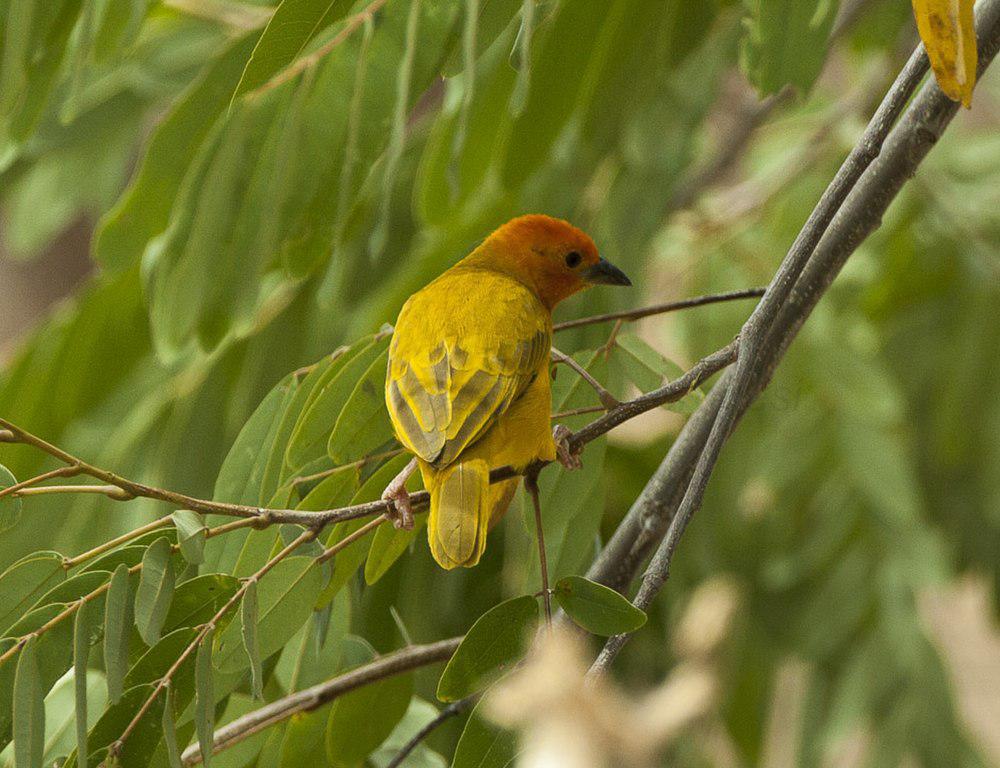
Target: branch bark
[
  {"x": 312, "y": 698},
  {"x": 850, "y": 209}
]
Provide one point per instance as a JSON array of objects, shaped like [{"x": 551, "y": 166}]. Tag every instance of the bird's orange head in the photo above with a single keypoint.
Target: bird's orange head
[{"x": 550, "y": 256}]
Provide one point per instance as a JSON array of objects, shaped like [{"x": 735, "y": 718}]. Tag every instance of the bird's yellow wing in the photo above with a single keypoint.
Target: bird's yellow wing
[{"x": 453, "y": 370}]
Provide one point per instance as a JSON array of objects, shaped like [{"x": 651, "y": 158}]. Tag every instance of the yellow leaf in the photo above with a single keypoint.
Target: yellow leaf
[{"x": 949, "y": 35}]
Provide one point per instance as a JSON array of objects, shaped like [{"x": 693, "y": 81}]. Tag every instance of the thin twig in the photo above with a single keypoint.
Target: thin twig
[
  {"x": 531, "y": 485},
  {"x": 629, "y": 315},
  {"x": 453, "y": 709},
  {"x": 18, "y": 488},
  {"x": 309, "y": 699},
  {"x": 363, "y": 531},
  {"x": 608, "y": 400},
  {"x": 70, "y": 562},
  {"x": 111, "y": 491}
]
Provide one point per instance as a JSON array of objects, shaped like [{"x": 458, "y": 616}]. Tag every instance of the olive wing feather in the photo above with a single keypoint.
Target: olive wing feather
[{"x": 443, "y": 398}]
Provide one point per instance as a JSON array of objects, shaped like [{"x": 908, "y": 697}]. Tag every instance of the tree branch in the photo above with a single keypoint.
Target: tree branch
[
  {"x": 850, "y": 209},
  {"x": 312, "y": 698}
]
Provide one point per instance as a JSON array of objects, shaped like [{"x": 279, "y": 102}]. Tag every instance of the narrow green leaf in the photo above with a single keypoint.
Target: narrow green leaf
[
  {"x": 363, "y": 424},
  {"x": 156, "y": 589},
  {"x": 288, "y": 32},
  {"x": 648, "y": 369},
  {"x": 10, "y": 506},
  {"x": 204, "y": 698},
  {"x": 81, "y": 651},
  {"x": 25, "y": 582},
  {"x": 363, "y": 718},
  {"x": 143, "y": 211},
  {"x": 597, "y": 608},
  {"x": 285, "y": 597},
  {"x": 29, "y": 710},
  {"x": 170, "y": 730},
  {"x": 250, "y": 641},
  {"x": 190, "y": 535},
  {"x": 785, "y": 42},
  {"x": 397, "y": 136},
  {"x": 197, "y": 600},
  {"x": 490, "y": 647},
  {"x": 388, "y": 546},
  {"x": 117, "y": 623}
]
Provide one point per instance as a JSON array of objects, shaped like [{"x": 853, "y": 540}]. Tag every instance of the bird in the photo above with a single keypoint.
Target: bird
[{"x": 468, "y": 384}]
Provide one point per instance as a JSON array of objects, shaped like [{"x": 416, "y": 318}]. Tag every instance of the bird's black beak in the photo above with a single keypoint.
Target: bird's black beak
[{"x": 605, "y": 273}]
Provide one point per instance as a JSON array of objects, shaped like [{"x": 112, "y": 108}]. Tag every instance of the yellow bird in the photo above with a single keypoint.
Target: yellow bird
[{"x": 468, "y": 386}]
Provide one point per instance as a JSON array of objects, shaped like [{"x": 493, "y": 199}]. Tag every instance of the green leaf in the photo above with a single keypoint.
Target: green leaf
[
  {"x": 363, "y": 425},
  {"x": 649, "y": 370},
  {"x": 190, "y": 535},
  {"x": 156, "y": 589},
  {"x": 286, "y": 596},
  {"x": 419, "y": 714},
  {"x": 312, "y": 432},
  {"x": 250, "y": 642},
  {"x": 129, "y": 556},
  {"x": 81, "y": 652},
  {"x": 144, "y": 210},
  {"x": 204, "y": 698},
  {"x": 491, "y": 646},
  {"x": 143, "y": 740},
  {"x": 170, "y": 731},
  {"x": 597, "y": 608},
  {"x": 239, "y": 480},
  {"x": 29, "y": 710},
  {"x": 785, "y": 41},
  {"x": 288, "y": 32},
  {"x": 388, "y": 546},
  {"x": 117, "y": 623},
  {"x": 24, "y": 582},
  {"x": 197, "y": 600},
  {"x": 483, "y": 745},
  {"x": 10, "y": 506},
  {"x": 362, "y": 719},
  {"x": 349, "y": 559},
  {"x": 75, "y": 587}
]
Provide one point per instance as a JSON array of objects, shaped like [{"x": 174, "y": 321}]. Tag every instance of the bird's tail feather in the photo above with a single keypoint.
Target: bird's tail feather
[{"x": 460, "y": 513}]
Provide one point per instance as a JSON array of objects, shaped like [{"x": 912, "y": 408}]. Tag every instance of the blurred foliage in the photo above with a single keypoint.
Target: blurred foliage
[{"x": 269, "y": 191}]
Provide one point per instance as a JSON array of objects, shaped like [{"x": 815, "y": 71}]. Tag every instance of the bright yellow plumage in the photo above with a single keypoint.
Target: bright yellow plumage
[{"x": 467, "y": 385}]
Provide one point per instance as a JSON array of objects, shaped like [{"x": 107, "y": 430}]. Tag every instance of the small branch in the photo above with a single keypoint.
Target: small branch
[
  {"x": 531, "y": 485},
  {"x": 18, "y": 488},
  {"x": 669, "y": 393},
  {"x": 849, "y": 210},
  {"x": 608, "y": 400},
  {"x": 262, "y": 516},
  {"x": 409, "y": 658},
  {"x": 111, "y": 491},
  {"x": 69, "y": 562},
  {"x": 630, "y": 315},
  {"x": 453, "y": 709},
  {"x": 363, "y": 531},
  {"x": 67, "y": 612}
]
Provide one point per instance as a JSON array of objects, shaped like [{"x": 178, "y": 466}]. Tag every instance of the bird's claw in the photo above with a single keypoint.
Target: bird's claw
[
  {"x": 399, "y": 510},
  {"x": 566, "y": 456}
]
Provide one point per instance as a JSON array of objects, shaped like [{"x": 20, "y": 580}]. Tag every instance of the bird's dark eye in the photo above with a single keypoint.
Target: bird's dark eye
[{"x": 573, "y": 259}]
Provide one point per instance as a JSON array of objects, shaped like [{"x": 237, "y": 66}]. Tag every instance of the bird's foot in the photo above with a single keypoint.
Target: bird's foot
[
  {"x": 400, "y": 510},
  {"x": 566, "y": 456}
]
